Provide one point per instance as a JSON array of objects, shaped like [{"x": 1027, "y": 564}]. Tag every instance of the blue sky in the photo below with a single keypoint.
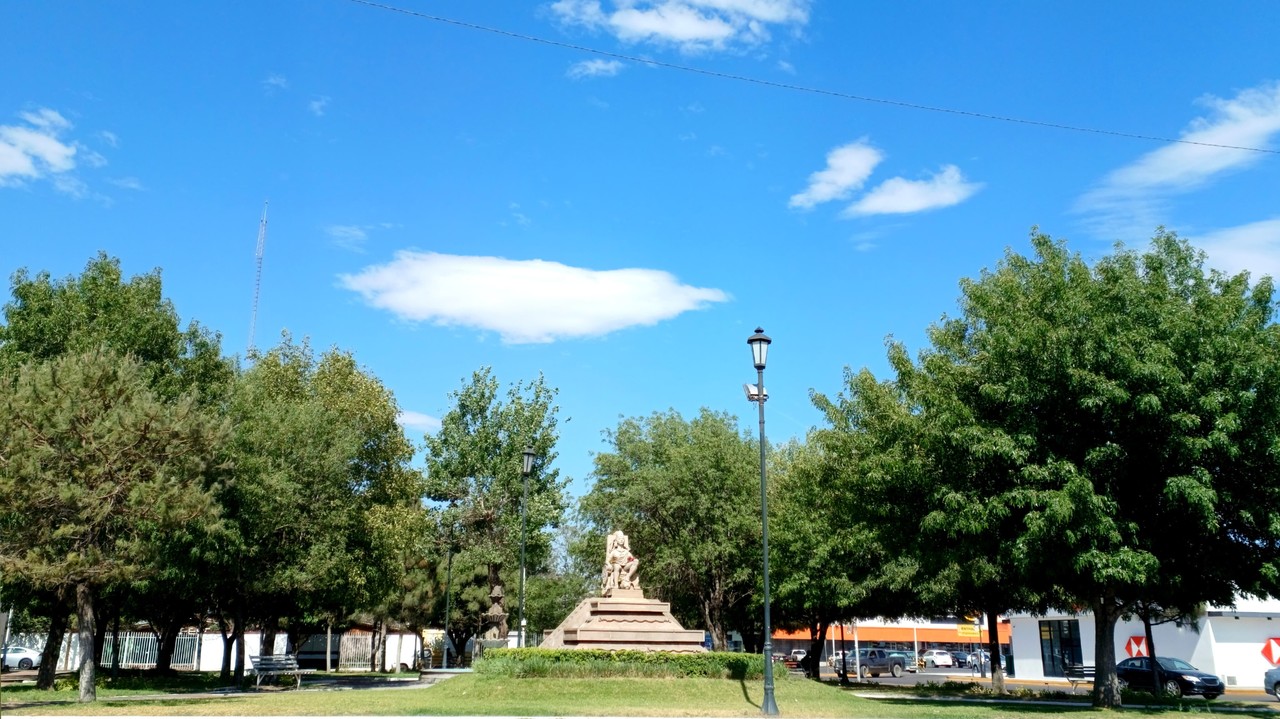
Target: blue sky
[{"x": 445, "y": 197}]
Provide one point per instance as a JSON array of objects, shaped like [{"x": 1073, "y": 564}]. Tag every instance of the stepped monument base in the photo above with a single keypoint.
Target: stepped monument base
[{"x": 621, "y": 618}]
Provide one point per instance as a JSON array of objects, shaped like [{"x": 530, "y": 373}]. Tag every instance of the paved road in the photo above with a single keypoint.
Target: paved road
[{"x": 939, "y": 675}]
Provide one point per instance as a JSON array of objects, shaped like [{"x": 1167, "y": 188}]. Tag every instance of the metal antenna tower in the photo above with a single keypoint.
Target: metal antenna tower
[{"x": 257, "y": 280}]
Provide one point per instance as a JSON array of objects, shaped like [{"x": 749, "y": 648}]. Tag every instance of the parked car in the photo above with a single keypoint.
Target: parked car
[
  {"x": 20, "y": 658},
  {"x": 1179, "y": 678},
  {"x": 874, "y": 662},
  {"x": 960, "y": 659},
  {"x": 907, "y": 661},
  {"x": 797, "y": 654},
  {"x": 834, "y": 659},
  {"x": 937, "y": 658},
  {"x": 1271, "y": 682}
]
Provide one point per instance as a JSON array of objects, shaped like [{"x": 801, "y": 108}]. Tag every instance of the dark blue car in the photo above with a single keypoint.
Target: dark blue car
[{"x": 1178, "y": 678}]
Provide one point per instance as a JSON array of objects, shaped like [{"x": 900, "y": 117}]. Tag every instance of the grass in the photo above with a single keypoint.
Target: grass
[{"x": 479, "y": 695}]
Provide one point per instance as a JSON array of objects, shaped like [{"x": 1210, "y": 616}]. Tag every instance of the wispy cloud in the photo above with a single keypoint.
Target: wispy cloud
[
  {"x": 350, "y": 237},
  {"x": 318, "y": 105},
  {"x": 848, "y": 167},
  {"x": 34, "y": 151},
  {"x": 524, "y": 301},
  {"x": 275, "y": 82},
  {"x": 109, "y": 138},
  {"x": 901, "y": 196},
  {"x": 690, "y": 25},
  {"x": 1252, "y": 248},
  {"x": 127, "y": 183},
  {"x": 594, "y": 68},
  {"x": 1133, "y": 198},
  {"x": 419, "y": 421}
]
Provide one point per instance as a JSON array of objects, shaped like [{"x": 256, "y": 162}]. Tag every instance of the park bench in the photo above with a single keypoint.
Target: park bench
[
  {"x": 1078, "y": 674},
  {"x": 274, "y": 665}
]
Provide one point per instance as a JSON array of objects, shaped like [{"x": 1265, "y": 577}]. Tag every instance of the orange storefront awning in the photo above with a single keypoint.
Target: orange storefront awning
[{"x": 898, "y": 634}]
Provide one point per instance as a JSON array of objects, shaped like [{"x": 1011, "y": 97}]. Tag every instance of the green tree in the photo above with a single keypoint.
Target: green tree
[
  {"x": 830, "y": 558},
  {"x": 474, "y": 466},
  {"x": 687, "y": 493},
  {"x": 48, "y": 318},
  {"x": 325, "y": 506},
  {"x": 98, "y": 465},
  {"x": 1114, "y": 426}
]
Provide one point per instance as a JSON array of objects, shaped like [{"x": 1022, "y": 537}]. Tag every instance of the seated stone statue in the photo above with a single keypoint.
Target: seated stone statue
[{"x": 619, "y": 565}]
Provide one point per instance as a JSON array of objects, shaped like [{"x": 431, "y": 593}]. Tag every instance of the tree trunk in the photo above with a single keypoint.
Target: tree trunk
[
  {"x": 115, "y": 645},
  {"x": 993, "y": 648},
  {"x": 1106, "y": 689},
  {"x": 52, "y": 647},
  {"x": 376, "y": 663},
  {"x": 88, "y": 632},
  {"x": 168, "y": 642},
  {"x": 227, "y": 629},
  {"x": 239, "y": 639},
  {"x": 270, "y": 627},
  {"x": 718, "y": 638},
  {"x": 99, "y": 630},
  {"x": 1157, "y": 676}
]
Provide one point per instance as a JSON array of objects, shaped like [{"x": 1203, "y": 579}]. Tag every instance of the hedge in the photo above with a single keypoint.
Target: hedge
[{"x": 539, "y": 662}]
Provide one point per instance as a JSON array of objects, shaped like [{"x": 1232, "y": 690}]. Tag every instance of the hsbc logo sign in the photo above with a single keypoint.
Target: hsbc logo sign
[
  {"x": 1271, "y": 650},
  {"x": 1137, "y": 647}
]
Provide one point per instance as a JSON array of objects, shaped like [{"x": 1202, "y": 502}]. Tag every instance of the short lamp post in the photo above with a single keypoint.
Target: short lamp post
[
  {"x": 527, "y": 467},
  {"x": 759, "y": 343}
]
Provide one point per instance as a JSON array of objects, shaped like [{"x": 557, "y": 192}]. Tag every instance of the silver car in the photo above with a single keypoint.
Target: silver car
[{"x": 20, "y": 658}]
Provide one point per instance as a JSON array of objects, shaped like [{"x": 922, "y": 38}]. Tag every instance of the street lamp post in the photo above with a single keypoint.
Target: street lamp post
[
  {"x": 527, "y": 467},
  {"x": 759, "y": 343}
]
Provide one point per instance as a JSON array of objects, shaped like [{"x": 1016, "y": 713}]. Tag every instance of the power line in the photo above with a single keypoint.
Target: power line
[{"x": 803, "y": 88}]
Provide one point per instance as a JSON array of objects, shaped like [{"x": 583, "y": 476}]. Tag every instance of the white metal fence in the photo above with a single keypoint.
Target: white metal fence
[{"x": 138, "y": 650}]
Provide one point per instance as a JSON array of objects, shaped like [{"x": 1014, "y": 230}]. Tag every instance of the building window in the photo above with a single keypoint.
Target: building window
[{"x": 1059, "y": 646}]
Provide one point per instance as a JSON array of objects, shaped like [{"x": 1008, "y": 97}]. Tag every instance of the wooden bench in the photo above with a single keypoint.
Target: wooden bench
[
  {"x": 274, "y": 665},
  {"x": 1078, "y": 674}
]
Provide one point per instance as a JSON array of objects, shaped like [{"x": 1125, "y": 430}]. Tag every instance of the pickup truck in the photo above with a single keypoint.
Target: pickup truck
[{"x": 874, "y": 662}]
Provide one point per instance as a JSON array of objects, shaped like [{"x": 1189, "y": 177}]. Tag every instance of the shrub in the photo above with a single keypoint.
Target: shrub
[{"x": 539, "y": 662}]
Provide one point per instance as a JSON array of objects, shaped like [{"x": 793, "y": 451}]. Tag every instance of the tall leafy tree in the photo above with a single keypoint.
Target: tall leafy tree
[
  {"x": 1125, "y": 416},
  {"x": 474, "y": 467},
  {"x": 48, "y": 318},
  {"x": 325, "y": 505},
  {"x": 99, "y": 465},
  {"x": 687, "y": 493}
]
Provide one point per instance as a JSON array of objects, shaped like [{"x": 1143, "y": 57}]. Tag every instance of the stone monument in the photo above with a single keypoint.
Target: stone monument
[{"x": 620, "y": 617}]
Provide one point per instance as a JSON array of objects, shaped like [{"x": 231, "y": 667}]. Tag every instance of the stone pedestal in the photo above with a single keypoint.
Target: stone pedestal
[{"x": 624, "y": 619}]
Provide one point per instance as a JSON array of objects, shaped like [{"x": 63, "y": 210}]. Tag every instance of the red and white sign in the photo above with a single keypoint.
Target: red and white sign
[
  {"x": 1271, "y": 650},
  {"x": 1136, "y": 647}
]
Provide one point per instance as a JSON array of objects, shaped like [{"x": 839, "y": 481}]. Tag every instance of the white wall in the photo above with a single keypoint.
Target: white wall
[{"x": 1229, "y": 646}]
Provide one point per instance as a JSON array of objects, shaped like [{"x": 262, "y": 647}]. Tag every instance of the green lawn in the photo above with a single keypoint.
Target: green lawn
[{"x": 478, "y": 695}]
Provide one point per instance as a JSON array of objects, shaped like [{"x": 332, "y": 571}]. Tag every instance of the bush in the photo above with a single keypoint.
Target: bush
[{"x": 538, "y": 662}]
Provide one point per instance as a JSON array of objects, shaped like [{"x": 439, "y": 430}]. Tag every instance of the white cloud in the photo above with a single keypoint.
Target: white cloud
[
  {"x": 35, "y": 151},
  {"x": 691, "y": 25},
  {"x": 524, "y": 301},
  {"x": 351, "y": 237},
  {"x": 419, "y": 421},
  {"x": 1133, "y": 197},
  {"x": 594, "y": 68},
  {"x": 1252, "y": 248},
  {"x": 127, "y": 183},
  {"x": 900, "y": 196},
  {"x": 109, "y": 138},
  {"x": 275, "y": 81},
  {"x": 848, "y": 167},
  {"x": 318, "y": 105},
  {"x": 786, "y": 67}
]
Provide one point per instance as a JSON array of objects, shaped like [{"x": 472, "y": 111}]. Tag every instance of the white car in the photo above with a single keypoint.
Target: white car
[
  {"x": 20, "y": 658},
  {"x": 937, "y": 658}
]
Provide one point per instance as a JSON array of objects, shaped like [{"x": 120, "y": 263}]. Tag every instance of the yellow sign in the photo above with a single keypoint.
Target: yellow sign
[{"x": 967, "y": 630}]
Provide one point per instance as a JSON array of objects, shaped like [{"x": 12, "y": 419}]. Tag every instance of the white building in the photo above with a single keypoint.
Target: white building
[{"x": 1237, "y": 643}]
